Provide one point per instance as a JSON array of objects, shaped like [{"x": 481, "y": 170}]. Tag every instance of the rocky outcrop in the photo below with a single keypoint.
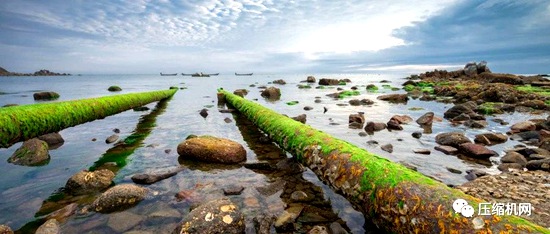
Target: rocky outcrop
[
  {"x": 217, "y": 216},
  {"x": 212, "y": 149},
  {"x": 33, "y": 152},
  {"x": 43, "y": 72},
  {"x": 88, "y": 182},
  {"x": 45, "y": 96},
  {"x": 119, "y": 198}
]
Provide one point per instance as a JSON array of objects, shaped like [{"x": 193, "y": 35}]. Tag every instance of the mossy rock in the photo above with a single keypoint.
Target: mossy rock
[
  {"x": 212, "y": 149},
  {"x": 45, "y": 96},
  {"x": 119, "y": 198},
  {"x": 114, "y": 88},
  {"x": 33, "y": 152}
]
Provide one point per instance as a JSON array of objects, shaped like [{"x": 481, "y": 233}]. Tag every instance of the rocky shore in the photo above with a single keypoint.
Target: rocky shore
[{"x": 43, "y": 72}]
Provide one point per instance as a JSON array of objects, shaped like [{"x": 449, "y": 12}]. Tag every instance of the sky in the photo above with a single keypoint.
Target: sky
[{"x": 273, "y": 36}]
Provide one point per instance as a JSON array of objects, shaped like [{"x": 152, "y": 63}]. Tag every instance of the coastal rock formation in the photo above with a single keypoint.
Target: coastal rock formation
[
  {"x": 217, "y": 216},
  {"x": 45, "y": 96},
  {"x": 280, "y": 81},
  {"x": 119, "y": 198},
  {"x": 272, "y": 93},
  {"x": 43, "y": 72},
  {"x": 33, "y": 152},
  {"x": 87, "y": 182},
  {"x": 212, "y": 149}
]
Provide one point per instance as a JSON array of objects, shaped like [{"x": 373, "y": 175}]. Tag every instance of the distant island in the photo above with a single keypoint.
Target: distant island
[{"x": 43, "y": 72}]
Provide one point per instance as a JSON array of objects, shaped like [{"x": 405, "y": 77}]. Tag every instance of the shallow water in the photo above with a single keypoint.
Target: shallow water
[{"x": 23, "y": 189}]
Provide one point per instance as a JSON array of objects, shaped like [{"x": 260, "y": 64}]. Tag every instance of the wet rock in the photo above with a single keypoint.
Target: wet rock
[
  {"x": 523, "y": 127},
  {"x": 387, "y": 147},
  {"x": 490, "y": 138},
  {"x": 217, "y": 216},
  {"x": 336, "y": 228},
  {"x": 141, "y": 108},
  {"x": 460, "y": 109},
  {"x": 422, "y": 151},
  {"x": 310, "y": 79},
  {"x": 363, "y": 134},
  {"x": 318, "y": 230},
  {"x": 49, "y": 227},
  {"x": 394, "y": 125},
  {"x": 286, "y": 220},
  {"x": 62, "y": 214},
  {"x": 408, "y": 165},
  {"x": 114, "y": 88},
  {"x": 514, "y": 157},
  {"x": 366, "y": 101},
  {"x": 119, "y": 197},
  {"x": 476, "y": 150},
  {"x": 545, "y": 144},
  {"x": 88, "y": 182},
  {"x": 505, "y": 167},
  {"x": 402, "y": 119},
  {"x": 233, "y": 190},
  {"x": 272, "y": 188},
  {"x": 372, "y": 143},
  {"x": 116, "y": 130},
  {"x": 446, "y": 149},
  {"x": 53, "y": 139},
  {"x": 394, "y": 98},
  {"x": 33, "y": 152},
  {"x": 151, "y": 178},
  {"x": 227, "y": 120},
  {"x": 280, "y": 81},
  {"x": 426, "y": 119},
  {"x": 45, "y": 96},
  {"x": 453, "y": 170},
  {"x": 290, "y": 166},
  {"x": 374, "y": 126},
  {"x": 124, "y": 221},
  {"x": 526, "y": 136},
  {"x": 325, "y": 110},
  {"x": 263, "y": 223},
  {"x": 300, "y": 118},
  {"x": 451, "y": 139},
  {"x": 212, "y": 149},
  {"x": 272, "y": 93},
  {"x": 308, "y": 108},
  {"x": 356, "y": 121},
  {"x": 475, "y": 123},
  {"x": 259, "y": 166},
  {"x": 416, "y": 135},
  {"x": 5, "y": 229},
  {"x": 240, "y": 92},
  {"x": 299, "y": 196},
  {"x": 541, "y": 164},
  {"x": 461, "y": 117},
  {"x": 204, "y": 113},
  {"x": 325, "y": 81},
  {"x": 500, "y": 121},
  {"x": 355, "y": 102},
  {"x": 111, "y": 139}
]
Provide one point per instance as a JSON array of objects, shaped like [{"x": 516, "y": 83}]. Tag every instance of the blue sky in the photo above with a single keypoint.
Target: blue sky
[{"x": 272, "y": 36}]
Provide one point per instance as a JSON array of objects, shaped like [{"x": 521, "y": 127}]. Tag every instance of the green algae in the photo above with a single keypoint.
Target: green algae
[
  {"x": 348, "y": 93},
  {"x": 534, "y": 89},
  {"x": 24, "y": 122},
  {"x": 488, "y": 108},
  {"x": 292, "y": 103},
  {"x": 372, "y": 88}
]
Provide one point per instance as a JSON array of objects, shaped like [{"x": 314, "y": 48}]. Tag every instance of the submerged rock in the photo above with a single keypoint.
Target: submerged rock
[
  {"x": 49, "y": 227},
  {"x": 86, "y": 182},
  {"x": 53, "y": 139},
  {"x": 33, "y": 152},
  {"x": 150, "y": 178},
  {"x": 114, "y": 88},
  {"x": 217, "y": 216},
  {"x": 119, "y": 198},
  {"x": 426, "y": 119},
  {"x": 45, "y": 96},
  {"x": 212, "y": 149}
]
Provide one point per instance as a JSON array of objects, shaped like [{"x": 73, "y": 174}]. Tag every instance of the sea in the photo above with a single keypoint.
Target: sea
[{"x": 28, "y": 194}]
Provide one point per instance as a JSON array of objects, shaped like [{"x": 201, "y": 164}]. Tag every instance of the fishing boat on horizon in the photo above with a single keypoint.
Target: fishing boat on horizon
[
  {"x": 198, "y": 74},
  {"x": 168, "y": 74},
  {"x": 243, "y": 74}
]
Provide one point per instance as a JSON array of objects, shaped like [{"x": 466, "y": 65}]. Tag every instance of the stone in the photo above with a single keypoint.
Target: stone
[
  {"x": 490, "y": 138},
  {"x": 336, "y": 228},
  {"x": 374, "y": 126},
  {"x": 354, "y": 102},
  {"x": 476, "y": 150},
  {"x": 239, "y": 92},
  {"x": 446, "y": 149},
  {"x": 357, "y": 119},
  {"x": 514, "y": 157},
  {"x": 124, "y": 221},
  {"x": 453, "y": 170},
  {"x": 505, "y": 167},
  {"x": 299, "y": 196},
  {"x": 111, "y": 139},
  {"x": 394, "y": 98},
  {"x": 212, "y": 149},
  {"x": 526, "y": 136},
  {"x": 204, "y": 113},
  {"x": 280, "y": 81},
  {"x": 33, "y": 152},
  {"x": 325, "y": 81},
  {"x": 310, "y": 79},
  {"x": 402, "y": 119},
  {"x": 422, "y": 151},
  {"x": 394, "y": 125},
  {"x": 49, "y": 227},
  {"x": 451, "y": 139},
  {"x": 151, "y": 178},
  {"x": 233, "y": 190},
  {"x": 88, "y": 182},
  {"x": 114, "y": 88},
  {"x": 227, "y": 120},
  {"x": 5, "y": 229},
  {"x": 416, "y": 135},
  {"x": 366, "y": 101},
  {"x": 285, "y": 221},
  {"x": 272, "y": 93},
  {"x": 63, "y": 213},
  {"x": 308, "y": 108},
  {"x": 426, "y": 119},
  {"x": 541, "y": 164},
  {"x": 523, "y": 127},
  {"x": 118, "y": 198},
  {"x": 300, "y": 118},
  {"x": 458, "y": 110},
  {"x": 318, "y": 230},
  {"x": 45, "y": 96},
  {"x": 216, "y": 216},
  {"x": 461, "y": 117},
  {"x": 475, "y": 123},
  {"x": 54, "y": 140},
  {"x": 387, "y": 147},
  {"x": 263, "y": 223}
]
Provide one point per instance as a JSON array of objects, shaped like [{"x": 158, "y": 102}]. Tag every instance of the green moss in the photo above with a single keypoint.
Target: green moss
[
  {"x": 416, "y": 108},
  {"x": 342, "y": 83},
  {"x": 348, "y": 93},
  {"x": 386, "y": 86},
  {"x": 488, "y": 108},
  {"x": 409, "y": 87},
  {"x": 372, "y": 88},
  {"x": 304, "y": 86},
  {"x": 292, "y": 103},
  {"x": 534, "y": 89},
  {"x": 394, "y": 89}
]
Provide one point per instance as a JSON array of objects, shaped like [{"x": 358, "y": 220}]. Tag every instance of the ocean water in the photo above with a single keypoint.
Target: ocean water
[{"x": 25, "y": 192}]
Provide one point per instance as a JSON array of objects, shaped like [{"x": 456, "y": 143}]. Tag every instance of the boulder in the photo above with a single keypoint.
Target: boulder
[
  {"x": 394, "y": 98},
  {"x": 416, "y": 135},
  {"x": 394, "y": 125},
  {"x": 470, "y": 69},
  {"x": 356, "y": 121},
  {"x": 300, "y": 118},
  {"x": 273, "y": 93},
  {"x": 114, "y": 88},
  {"x": 212, "y": 149},
  {"x": 285, "y": 221},
  {"x": 505, "y": 167},
  {"x": 204, "y": 113},
  {"x": 310, "y": 79},
  {"x": 374, "y": 126},
  {"x": 425, "y": 119},
  {"x": 53, "y": 139},
  {"x": 458, "y": 110},
  {"x": 325, "y": 81},
  {"x": 49, "y": 227},
  {"x": 402, "y": 119},
  {"x": 367, "y": 101},
  {"x": 476, "y": 150},
  {"x": 33, "y": 152},
  {"x": 475, "y": 123},
  {"x": 111, "y": 139},
  {"x": 119, "y": 197},
  {"x": 87, "y": 182},
  {"x": 387, "y": 147},
  {"x": 490, "y": 138},
  {"x": 45, "y": 96},
  {"x": 150, "y": 178},
  {"x": 217, "y": 216},
  {"x": 541, "y": 164},
  {"x": 451, "y": 139},
  {"x": 5, "y": 229},
  {"x": 502, "y": 78},
  {"x": 280, "y": 81},
  {"x": 523, "y": 127},
  {"x": 238, "y": 92},
  {"x": 514, "y": 157},
  {"x": 446, "y": 149}
]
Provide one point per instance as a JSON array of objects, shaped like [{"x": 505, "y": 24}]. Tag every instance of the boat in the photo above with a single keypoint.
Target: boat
[
  {"x": 199, "y": 74},
  {"x": 168, "y": 74},
  {"x": 243, "y": 74}
]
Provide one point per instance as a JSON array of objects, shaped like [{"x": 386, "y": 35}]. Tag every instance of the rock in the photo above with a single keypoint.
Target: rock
[
  {"x": 45, "y": 96},
  {"x": 111, "y": 139},
  {"x": 541, "y": 164},
  {"x": 53, "y": 139},
  {"x": 523, "y": 127},
  {"x": 422, "y": 151},
  {"x": 394, "y": 98},
  {"x": 280, "y": 81},
  {"x": 310, "y": 79},
  {"x": 514, "y": 157},
  {"x": 300, "y": 118},
  {"x": 259, "y": 166},
  {"x": 490, "y": 138},
  {"x": 475, "y": 123},
  {"x": 336, "y": 228},
  {"x": 299, "y": 196},
  {"x": 394, "y": 125},
  {"x": 141, "y": 108},
  {"x": 372, "y": 143},
  {"x": 526, "y": 136},
  {"x": 453, "y": 170},
  {"x": 150, "y": 178},
  {"x": 426, "y": 119},
  {"x": 114, "y": 88},
  {"x": 318, "y": 230},
  {"x": 374, "y": 126},
  {"x": 240, "y": 92},
  {"x": 263, "y": 223},
  {"x": 227, "y": 120},
  {"x": 402, "y": 119},
  {"x": 63, "y": 213},
  {"x": 355, "y": 102},
  {"x": 88, "y": 182},
  {"x": 49, "y": 227},
  {"x": 366, "y": 102},
  {"x": 446, "y": 149},
  {"x": 290, "y": 166},
  {"x": 272, "y": 93},
  {"x": 204, "y": 113},
  {"x": 465, "y": 108},
  {"x": 461, "y": 117},
  {"x": 285, "y": 221},
  {"x": 476, "y": 150},
  {"x": 119, "y": 197},
  {"x": 387, "y": 147},
  {"x": 545, "y": 144},
  {"x": 216, "y": 216},
  {"x": 116, "y": 130},
  {"x": 233, "y": 190},
  {"x": 470, "y": 69},
  {"x": 308, "y": 108},
  {"x": 33, "y": 152},
  {"x": 356, "y": 121},
  {"x": 502, "y": 78},
  {"x": 124, "y": 221},
  {"x": 451, "y": 139},
  {"x": 325, "y": 81},
  {"x": 5, "y": 229},
  {"x": 212, "y": 149},
  {"x": 417, "y": 135},
  {"x": 505, "y": 167}
]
